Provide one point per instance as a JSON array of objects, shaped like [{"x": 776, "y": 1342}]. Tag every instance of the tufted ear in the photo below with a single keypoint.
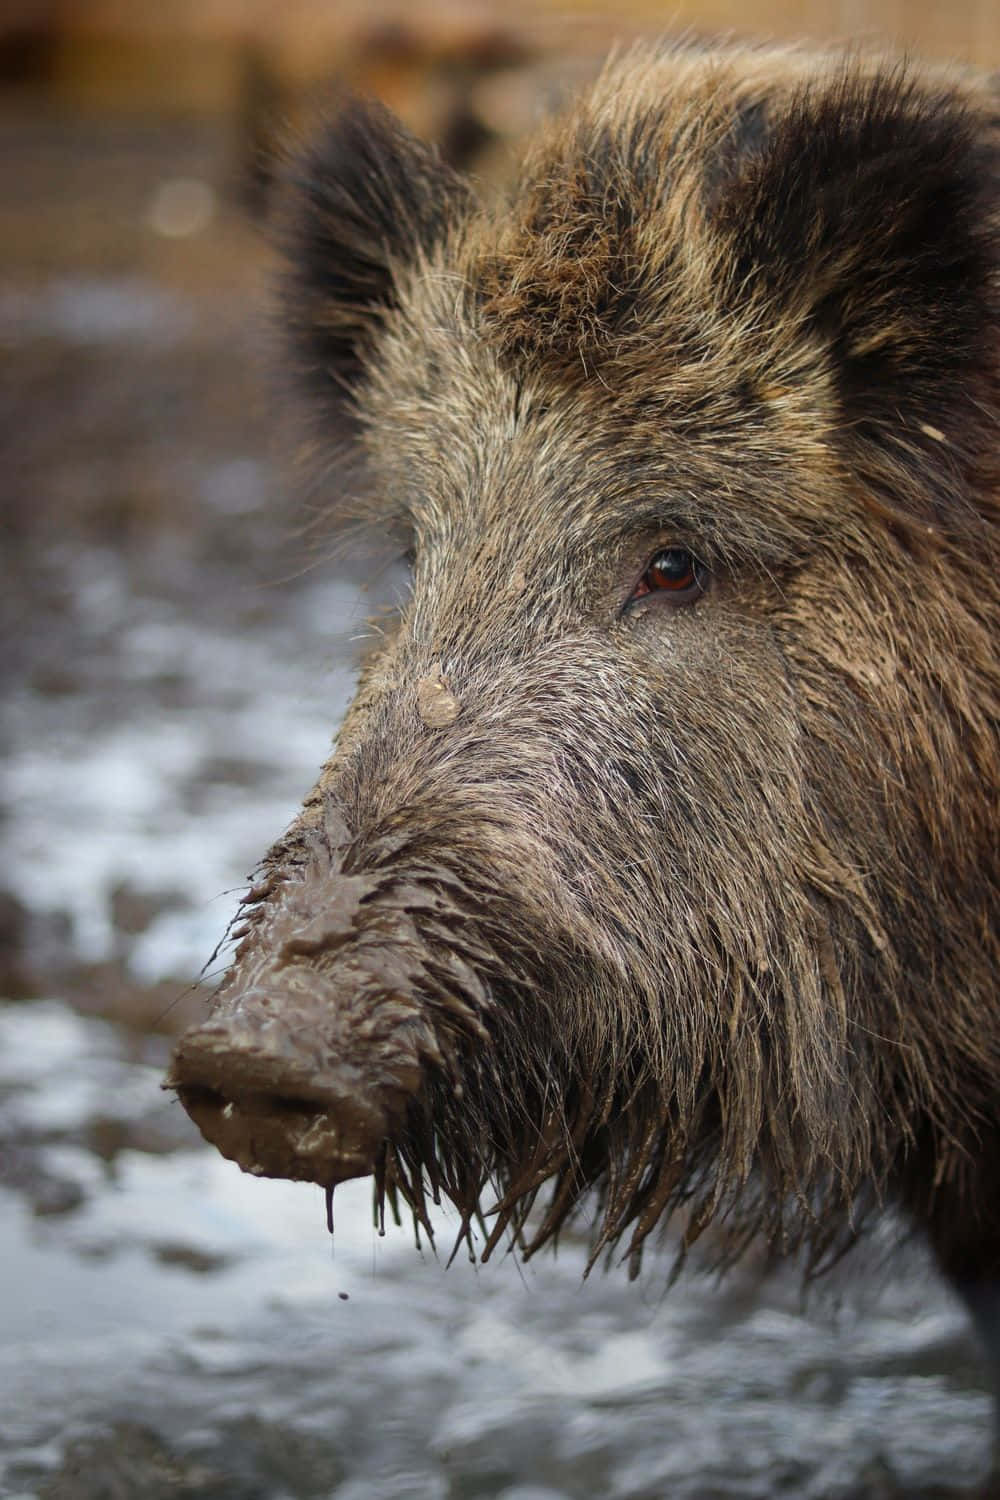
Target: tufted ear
[
  {"x": 869, "y": 214},
  {"x": 366, "y": 199}
]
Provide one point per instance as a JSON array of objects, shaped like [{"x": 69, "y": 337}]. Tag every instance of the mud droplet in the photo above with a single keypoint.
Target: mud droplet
[
  {"x": 344, "y": 1296},
  {"x": 435, "y": 704}
]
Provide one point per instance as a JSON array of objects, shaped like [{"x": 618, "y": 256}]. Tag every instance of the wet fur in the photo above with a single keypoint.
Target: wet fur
[{"x": 717, "y": 883}]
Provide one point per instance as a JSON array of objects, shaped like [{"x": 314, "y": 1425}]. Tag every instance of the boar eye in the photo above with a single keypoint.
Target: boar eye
[{"x": 675, "y": 573}]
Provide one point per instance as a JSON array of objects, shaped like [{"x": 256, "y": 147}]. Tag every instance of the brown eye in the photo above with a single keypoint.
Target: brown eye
[{"x": 674, "y": 572}]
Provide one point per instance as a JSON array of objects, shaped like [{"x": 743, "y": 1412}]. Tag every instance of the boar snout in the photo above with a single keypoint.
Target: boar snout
[
  {"x": 339, "y": 1003},
  {"x": 264, "y": 1097}
]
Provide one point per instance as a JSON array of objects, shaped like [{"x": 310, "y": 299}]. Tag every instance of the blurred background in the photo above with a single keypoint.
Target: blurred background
[{"x": 179, "y": 640}]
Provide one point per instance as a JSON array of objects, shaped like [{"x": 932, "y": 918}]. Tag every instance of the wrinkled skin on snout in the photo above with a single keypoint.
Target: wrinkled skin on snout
[{"x": 656, "y": 859}]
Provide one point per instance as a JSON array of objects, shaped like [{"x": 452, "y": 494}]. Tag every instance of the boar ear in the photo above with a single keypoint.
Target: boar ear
[
  {"x": 870, "y": 216},
  {"x": 366, "y": 198}
]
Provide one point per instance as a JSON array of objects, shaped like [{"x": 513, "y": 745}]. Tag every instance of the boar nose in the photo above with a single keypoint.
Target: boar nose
[{"x": 262, "y": 1097}]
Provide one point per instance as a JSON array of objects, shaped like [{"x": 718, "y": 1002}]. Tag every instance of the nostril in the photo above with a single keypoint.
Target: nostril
[
  {"x": 280, "y": 1135},
  {"x": 248, "y": 1105}
]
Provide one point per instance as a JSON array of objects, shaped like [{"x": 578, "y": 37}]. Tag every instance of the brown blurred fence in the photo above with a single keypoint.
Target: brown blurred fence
[{"x": 200, "y": 56}]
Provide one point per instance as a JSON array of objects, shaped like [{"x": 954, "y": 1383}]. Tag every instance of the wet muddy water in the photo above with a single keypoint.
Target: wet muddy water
[{"x": 177, "y": 654}]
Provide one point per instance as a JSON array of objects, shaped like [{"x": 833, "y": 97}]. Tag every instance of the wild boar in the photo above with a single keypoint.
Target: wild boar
[{"x": 657, "y": 861}]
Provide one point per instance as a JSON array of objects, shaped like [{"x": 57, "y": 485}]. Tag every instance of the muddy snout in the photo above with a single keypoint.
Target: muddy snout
[
  {"x": 344, "y": 999},
  {"x": 318, "y": 1040},
  {"x": 262, "y": 1095}
]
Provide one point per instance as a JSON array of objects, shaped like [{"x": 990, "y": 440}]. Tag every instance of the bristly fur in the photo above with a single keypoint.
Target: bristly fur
[{"x": 717, "y": 882}]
